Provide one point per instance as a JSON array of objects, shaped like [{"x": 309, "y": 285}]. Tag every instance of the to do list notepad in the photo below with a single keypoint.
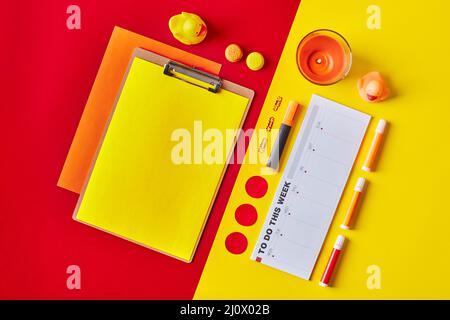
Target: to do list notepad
[{"x": 311, "y": 187}]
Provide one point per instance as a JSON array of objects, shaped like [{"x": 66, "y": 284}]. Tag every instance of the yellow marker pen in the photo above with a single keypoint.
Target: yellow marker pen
[
  {"x": 375, "y": 147},
  {"x": 353, "y": 203}
]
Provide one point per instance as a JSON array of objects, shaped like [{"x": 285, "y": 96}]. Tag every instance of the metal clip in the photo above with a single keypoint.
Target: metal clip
[{"x": 193, "y": 76}]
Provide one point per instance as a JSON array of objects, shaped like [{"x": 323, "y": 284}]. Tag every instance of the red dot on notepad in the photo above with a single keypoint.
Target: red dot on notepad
[
  {"x": 246, "y": 214},
  {"x": 236, "y": 243},
  {"x": 256, "y": 187}
]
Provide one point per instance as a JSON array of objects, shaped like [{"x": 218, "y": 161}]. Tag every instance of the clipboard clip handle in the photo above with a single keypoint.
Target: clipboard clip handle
[{"x": 193, "y": 76}]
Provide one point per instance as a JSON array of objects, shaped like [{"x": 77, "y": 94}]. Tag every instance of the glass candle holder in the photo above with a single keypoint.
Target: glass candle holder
[{"x": 324, "y": 57}]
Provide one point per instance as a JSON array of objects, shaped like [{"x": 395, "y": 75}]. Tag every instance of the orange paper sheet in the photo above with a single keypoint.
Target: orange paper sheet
[{"x": 103, "y": 94}]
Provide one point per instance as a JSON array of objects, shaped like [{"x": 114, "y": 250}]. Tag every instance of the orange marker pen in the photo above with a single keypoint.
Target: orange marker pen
[
  {"x": 353, "y": 203},
  {"x": 375, "y": 147},
  {"x": 283, "y": 135}
]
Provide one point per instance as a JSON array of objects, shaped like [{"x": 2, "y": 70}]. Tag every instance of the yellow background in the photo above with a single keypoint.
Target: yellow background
[{"x": 404, "y": 222}]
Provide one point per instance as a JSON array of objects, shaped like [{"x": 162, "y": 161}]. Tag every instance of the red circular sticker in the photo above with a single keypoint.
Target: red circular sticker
[
  {"x": 236, "y": 243},
  {"x": 256, "y": 187},
  {"x": 246, "y": 215}
]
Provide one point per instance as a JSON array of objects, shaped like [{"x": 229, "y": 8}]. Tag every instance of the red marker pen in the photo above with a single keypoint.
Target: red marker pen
[{"x": 337, "y": 248}]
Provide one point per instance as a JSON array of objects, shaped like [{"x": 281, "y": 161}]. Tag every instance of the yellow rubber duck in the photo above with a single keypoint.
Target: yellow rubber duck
[
  {"x": 188, "y": 28},
  {"x": 372, "y": 87}
]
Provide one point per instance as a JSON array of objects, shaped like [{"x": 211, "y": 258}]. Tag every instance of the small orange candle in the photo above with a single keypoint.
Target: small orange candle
[{"x": 324, "y": 57}]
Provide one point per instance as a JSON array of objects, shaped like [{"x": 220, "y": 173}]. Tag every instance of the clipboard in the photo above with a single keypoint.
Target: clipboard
[
  {"x": 101, "y": 99},
  {"x": 135, "y": 190}
]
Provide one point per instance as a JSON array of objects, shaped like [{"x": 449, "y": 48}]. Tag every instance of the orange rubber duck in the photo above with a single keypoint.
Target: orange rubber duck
[{"x": 373, "y": 88}]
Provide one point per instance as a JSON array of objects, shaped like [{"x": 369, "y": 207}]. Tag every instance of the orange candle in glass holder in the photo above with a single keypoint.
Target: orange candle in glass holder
[{"x": 324, "y": 57}]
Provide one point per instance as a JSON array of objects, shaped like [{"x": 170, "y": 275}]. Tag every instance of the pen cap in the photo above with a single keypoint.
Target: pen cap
[
  {"x": 360, "y": 184},
  {"x": 381, "y": 126},
  {"x": 339, "y": 242},
  {"x": 290, "y": 112}
]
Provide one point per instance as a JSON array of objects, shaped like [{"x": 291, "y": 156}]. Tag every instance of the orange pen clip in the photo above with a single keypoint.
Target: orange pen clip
[
  {"x": 353, "y": 203},
  {"x": 375, "y": 147}
]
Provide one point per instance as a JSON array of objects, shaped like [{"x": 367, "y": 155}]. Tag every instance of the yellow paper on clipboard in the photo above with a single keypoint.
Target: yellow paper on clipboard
[{"x": 137, "y": 188}]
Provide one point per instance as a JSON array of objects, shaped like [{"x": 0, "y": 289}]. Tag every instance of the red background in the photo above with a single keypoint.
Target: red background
[{"x": 47, "y": 72}]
